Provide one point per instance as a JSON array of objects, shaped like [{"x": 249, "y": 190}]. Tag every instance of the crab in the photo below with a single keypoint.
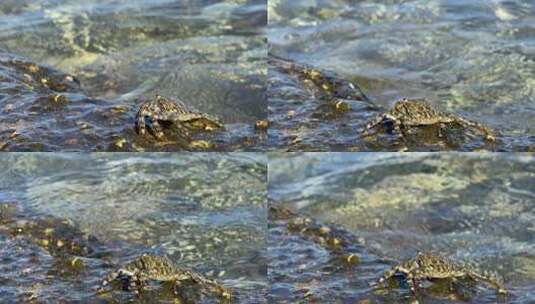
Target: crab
[
  {"x": 136, "y": 274},
  {"x": 163, "y": 111},
  {"x": 408, "y": 114},
  {"x": 427, "y": 266}
]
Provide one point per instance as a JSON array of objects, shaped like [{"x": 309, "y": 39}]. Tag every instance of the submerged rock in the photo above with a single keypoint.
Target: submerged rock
[
  {"x": 327, "y": 85},
  {"x": 59, "y": 237},
  {"x": 343, "y": 245}
]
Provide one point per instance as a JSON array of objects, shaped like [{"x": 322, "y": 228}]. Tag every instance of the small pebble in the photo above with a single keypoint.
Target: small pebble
[
  {"x": 77, "y": 263},
  {"x": 33, "y": 68},
  {"x": 342, "y": 106},
  {"x": 120, "y": 143},
  {"x": 200, "y": 144},
  {"x": 352, "y": 259},
  {"x": 325, "y": 230},
  {"x": 59, "y": 99},
  {"x": 262, "y": 124}
]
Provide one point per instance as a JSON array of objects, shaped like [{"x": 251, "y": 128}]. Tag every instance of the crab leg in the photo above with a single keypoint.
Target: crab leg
[
  {"x": 489, "y": 134},
  {"x": 387, "y": 275},
  {"x": 499, "y": 288},
  {"x": 140, "y": 123},
  {"x": 157, "y": 129},
  {"x": 211, "y": 285}
]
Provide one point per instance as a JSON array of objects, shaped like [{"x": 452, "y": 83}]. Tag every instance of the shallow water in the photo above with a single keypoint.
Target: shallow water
[
  {"x": 474, "y": 208},
  {"x": 204, "y": 211},
  {"x": 209, "y": 54},
  {"x": 475, "y": 59}
]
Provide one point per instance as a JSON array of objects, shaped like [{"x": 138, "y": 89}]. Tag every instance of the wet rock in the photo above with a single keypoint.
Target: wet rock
[
  {"x": 327, "y": 85},
  {"x": 342, "y": 244}
]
